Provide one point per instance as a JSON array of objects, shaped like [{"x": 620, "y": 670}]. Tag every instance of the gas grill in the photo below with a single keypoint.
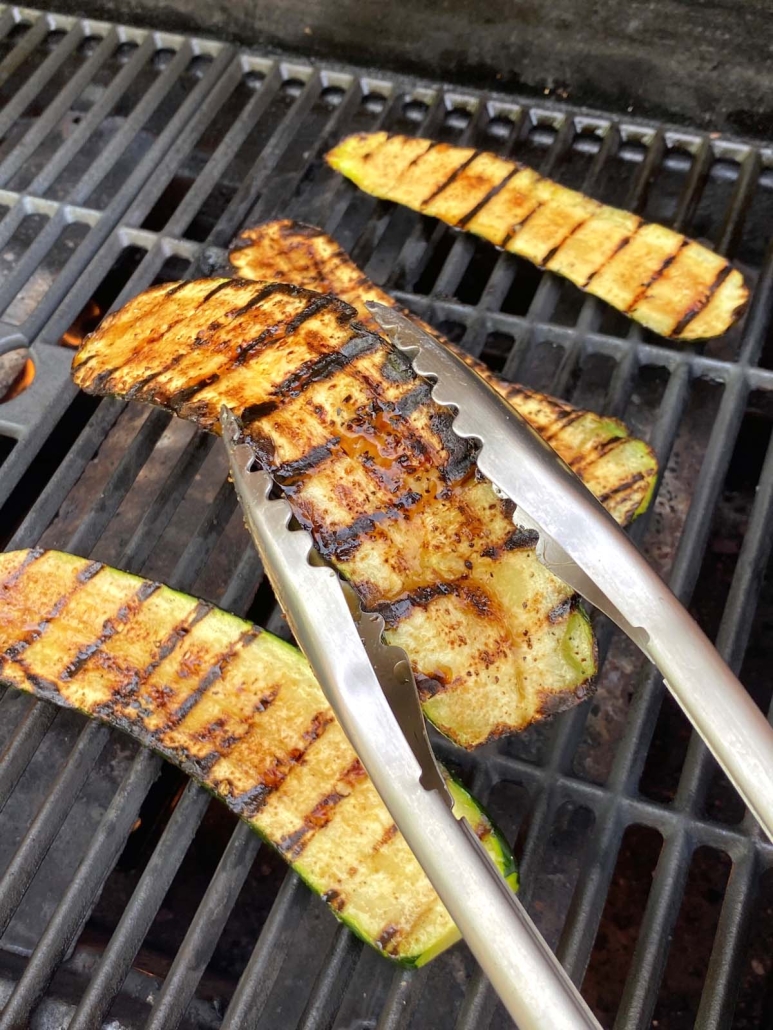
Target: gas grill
[{"x": 128, "y": 898}]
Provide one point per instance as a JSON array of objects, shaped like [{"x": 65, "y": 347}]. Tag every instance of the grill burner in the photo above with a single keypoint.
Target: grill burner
[{"x": 126, "y": 898}]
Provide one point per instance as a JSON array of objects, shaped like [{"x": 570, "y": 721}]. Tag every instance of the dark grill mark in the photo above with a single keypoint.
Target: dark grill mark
[
  {"x": 696, "y": 309},
  {"x": 385, "y": 838},
  {"x": 386, "y": 936},
  {"x": 29, "y": 558},
  {"x": 273, "y": 334},
  {"x": 294, "y": 844},
  {"x": 521, "y": 539},
  {"x": 109, "y": 628},
  {"x": 582, "y": 462},
  {"x": 220, "y": 286},
  {"x": 41, "y": 686},
  {"x": 431, "y": 146},
  {"x": 176, "y": 400},
  {"x": 656, "y": 275},
  {"x": 248, "y": 804},
  {"x": 335, "y": 899},
  {"x": 561, "y": 610},
  {"x": 623, "y": 243},
  {"x": 552, "y": 253},
  {"x": 14, "y": 651},
  {"x": 137, "y": 388},
  {"x": 288, "y": 471},
  {"x": 212, "y": 675},
  {"x": 263, "y": 446},
  {"x": 89, "y": 571},
  {"x": 161, "y": 330},
  {"x": 324, "y": 366},
  {"x": 289, "y": 289},
  {"x": 519, "y": 225},
  {"x": 221, "y": 748},
  {"x": 270, "y": 336},
  {"x": 101, "y": 379},
  {"x": 461, "y": 452},
  {"x": 465, "y": 219},
  {"x": 341, "y": 543},
  {"x": 451, "y": 178},
  {"x": 568, "y": 419},
  {"x": 126, "y": 692},
  {"x": 414, "y": 399},
  {"x": 255, "y": 412},
  {"x": 191, "y": 762},
  {"x": 177, "y": 287},
  {"x": 621, "y": 487},
  {"x": 393, "y": 612}
]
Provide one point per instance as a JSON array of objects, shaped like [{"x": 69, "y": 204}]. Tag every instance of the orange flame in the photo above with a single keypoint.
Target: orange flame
[{"x": 21, "y": 382}]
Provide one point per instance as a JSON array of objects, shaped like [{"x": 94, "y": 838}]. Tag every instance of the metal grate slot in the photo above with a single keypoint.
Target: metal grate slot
[
  {"x": 694, "y": 933},
  {"x": 620, "y": 922}
]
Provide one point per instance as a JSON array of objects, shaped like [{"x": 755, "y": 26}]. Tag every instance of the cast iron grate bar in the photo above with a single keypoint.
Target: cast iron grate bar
[
  {"x": 209, "y": 922},
  {"x": 141, "y": 910},
  {"x": 295, "y": 110}
]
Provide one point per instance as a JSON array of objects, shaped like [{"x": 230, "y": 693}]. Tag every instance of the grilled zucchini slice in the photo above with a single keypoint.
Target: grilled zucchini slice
[
  {"x": 619, "y": 469},
  {"x": 240, "y": 711},
  {"x": 656, "y": 276},
  {"x": 371, "y": 466}
]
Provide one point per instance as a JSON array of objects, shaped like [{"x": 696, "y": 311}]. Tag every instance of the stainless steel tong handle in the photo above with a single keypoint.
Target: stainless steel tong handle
[
  {"x": 583, "y": 545},
  {"x": 528, "y": 978}
]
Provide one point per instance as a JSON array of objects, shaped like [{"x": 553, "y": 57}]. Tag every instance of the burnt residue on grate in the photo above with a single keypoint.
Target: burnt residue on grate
[{"x": 129, "y": 158}]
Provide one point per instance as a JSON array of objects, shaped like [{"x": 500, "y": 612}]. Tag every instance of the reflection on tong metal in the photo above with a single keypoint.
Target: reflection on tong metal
[
  {"x": 583, "y": 545},
  {"x": 371, "y": 689}
]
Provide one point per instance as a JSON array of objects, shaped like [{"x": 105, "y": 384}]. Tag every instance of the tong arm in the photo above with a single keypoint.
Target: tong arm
[
  {"x": 584, "y": 546},
  {"x": 523, "y": 970}
]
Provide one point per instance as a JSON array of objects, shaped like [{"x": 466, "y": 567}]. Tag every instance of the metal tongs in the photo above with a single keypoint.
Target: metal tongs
[
  {"x": 583, "y": 545},
  {"x": 372, "y": 691}
]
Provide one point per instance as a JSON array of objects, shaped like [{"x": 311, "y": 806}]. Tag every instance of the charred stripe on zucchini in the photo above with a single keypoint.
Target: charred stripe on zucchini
[
  {"x": 308, "y": 257},
  {"x": 393, "y": 498},
  {"x": 261, "y": 735},
  {"x": 669, "y": 283}
]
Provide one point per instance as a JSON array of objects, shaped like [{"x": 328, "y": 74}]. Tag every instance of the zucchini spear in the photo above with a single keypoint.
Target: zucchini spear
[
  {"x": 656, "y": 276},
  {"x": 240, "y": 711},
  {"x": 373, "y": 469}
]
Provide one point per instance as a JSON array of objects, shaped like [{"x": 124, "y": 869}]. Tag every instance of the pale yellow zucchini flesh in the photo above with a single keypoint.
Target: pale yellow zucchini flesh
[
  {"x": 240, "y": 711},
  {"x": 371, "y": 466},
  {"x": 658, "y": 277},
  {"x": 620, "y": 469}
]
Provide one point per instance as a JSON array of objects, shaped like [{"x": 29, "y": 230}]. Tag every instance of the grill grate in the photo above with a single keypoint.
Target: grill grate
[{"x": 129, "y": 157}]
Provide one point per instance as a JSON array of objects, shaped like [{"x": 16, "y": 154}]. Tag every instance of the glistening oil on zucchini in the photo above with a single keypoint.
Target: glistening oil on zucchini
[{"x": 371, "y": 466}]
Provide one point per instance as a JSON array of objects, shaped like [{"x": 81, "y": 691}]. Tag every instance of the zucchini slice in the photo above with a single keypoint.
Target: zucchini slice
[
  {"x": 240, "y": 711},
  {"x": 658, "y": 277},
  {"x": 617, "y": 467},
  {"x": 371, "y": 466}
]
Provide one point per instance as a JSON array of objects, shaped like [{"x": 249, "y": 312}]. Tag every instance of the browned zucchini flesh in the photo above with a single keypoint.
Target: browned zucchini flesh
[
  {"x": 240, "y": 711},
  {"x": 620, "y": 469},
  {"x": 371, "y": 466},
  {"x": 656, "y": 276}
]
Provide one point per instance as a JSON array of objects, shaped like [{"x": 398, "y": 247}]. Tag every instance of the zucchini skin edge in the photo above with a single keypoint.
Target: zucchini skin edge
[{"x": 501, "y": 854}]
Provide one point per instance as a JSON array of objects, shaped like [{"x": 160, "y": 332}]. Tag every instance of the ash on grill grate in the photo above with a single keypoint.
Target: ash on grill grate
[{"x": 128, "y": 158}]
